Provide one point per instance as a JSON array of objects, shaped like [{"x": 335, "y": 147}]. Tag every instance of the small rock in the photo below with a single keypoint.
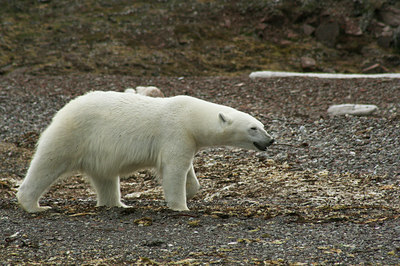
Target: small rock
[
  {"x": 281, "y": 157},
  {"x": 352, "y": 27},
  {"x": 352, "y": 109},
  {"x": 303, "y": 130},
  {"x": 308, "y": 63},
  {"x": 308, "y": 30},
  {"x": 292, "y": 35},
  {"x": 273, "y": 16},
  {"x": 396, "y": 39},
  {"x": 134, "y": 195},
  {"x": 384, "y": 41},
  {"x": 390, "y": 16},
  {"x": 375, "y": 68},
  {"x": 130, "y": 90},
  {"x": 393, "y": 60},
  {"x": 261, "y": 26},
  {"x": 327, "y": 33},
  {"x": 154, "y": 243},
  {"x": 385, "y": 37},
  {"x": 146, "y": 91},
  {"x": 387, "y": 31},
  {"x": 149, "y": 91}
]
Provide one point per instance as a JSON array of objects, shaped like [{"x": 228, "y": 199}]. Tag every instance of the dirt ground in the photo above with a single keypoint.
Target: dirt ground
[{"x": 327, "y": 192}]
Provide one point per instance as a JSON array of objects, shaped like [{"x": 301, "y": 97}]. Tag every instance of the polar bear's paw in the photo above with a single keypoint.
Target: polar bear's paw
[
  {"x": 122, "y": 205},
  {"x": 177, "y": 206},
  {"x": 29, "y": 204},
  {"x": 112, "y": 203},
  {"x": 37, "y": 208}
]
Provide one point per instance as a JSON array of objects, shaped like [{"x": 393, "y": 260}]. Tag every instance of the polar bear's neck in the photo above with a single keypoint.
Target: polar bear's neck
[{"x": 204, "y": 125}]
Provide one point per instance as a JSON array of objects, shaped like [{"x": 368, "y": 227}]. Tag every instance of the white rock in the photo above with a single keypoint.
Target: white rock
[
  {"x": 149, "y": 91},
  {"x": 130, "y": 90},
  {"x": 273, "y": 74},
  {"x": 352, "y": 109},
  {"x": 303, "y": 130},
  {"x": 146, "y": 91},
  {"x": 134, "y": 195}
]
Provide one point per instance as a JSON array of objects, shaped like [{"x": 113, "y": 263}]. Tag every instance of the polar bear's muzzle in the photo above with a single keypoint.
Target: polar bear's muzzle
[{"x": 262, "y": 146}]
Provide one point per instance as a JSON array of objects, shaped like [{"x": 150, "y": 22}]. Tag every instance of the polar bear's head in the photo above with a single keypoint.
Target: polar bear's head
[{"x": 244, "y": 131}]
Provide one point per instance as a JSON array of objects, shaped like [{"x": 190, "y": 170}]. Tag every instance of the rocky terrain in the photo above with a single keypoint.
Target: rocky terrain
[{"x": 327, "y": 192}]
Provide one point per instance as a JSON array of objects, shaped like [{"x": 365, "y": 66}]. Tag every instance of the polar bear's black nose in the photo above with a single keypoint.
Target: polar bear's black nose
[{"x": 262, "y": 146}]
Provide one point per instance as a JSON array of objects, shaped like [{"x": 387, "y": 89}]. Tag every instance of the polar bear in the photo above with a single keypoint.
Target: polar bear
[{"x": 105, "y": 135}]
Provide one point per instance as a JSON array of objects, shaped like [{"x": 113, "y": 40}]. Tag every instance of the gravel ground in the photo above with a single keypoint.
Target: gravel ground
[{"x": 327, "y": 192}]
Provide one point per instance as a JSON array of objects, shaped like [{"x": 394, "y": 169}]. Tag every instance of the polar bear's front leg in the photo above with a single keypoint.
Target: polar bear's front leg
[
  {"x": 192, "y": 184},
  {"x": 174, "y": 186}
]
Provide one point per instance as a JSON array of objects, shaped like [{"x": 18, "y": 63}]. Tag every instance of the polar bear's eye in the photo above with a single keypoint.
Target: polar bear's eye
[{"x": 253, "y": 128}]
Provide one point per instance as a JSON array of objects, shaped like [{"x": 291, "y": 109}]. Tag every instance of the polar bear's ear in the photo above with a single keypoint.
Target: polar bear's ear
[{"x": 224, "y": 119}]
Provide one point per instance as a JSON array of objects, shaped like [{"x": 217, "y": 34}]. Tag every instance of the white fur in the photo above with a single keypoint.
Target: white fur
[{"x": 109, "y": 134}]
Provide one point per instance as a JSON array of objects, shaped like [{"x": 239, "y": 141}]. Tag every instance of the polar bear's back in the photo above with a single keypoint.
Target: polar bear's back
[
  {"x": 101, "y": 114},
  {"x": 100, "y": 124},
  {"x": 110, "y": 104}
]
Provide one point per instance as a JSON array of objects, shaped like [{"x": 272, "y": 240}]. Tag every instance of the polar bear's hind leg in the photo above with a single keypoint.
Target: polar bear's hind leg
[
  {"x": 192, "y": 184},
  {"x": 40, "y": 176}
]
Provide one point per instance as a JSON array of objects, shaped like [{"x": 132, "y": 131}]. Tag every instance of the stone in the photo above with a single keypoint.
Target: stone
[
  {"x": 327, "y": 33},
  {"x": 396, "y": 39},
  {"x": 352, "y": 109},
  {"x": 390, "y": 16},
  {"x": 308, "y": 63},
  {"x": 375, "y": 68},
  {"x": 308, "y": 30},
  {"x": 146, "y": 91},
  {"x": 149, "y": 91},
  {"x": 130, "y": 90},
  {"x": 385, "y": 41},
  {"x": 392, "y": 60},
  {"x": 352, "y": 27}
]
